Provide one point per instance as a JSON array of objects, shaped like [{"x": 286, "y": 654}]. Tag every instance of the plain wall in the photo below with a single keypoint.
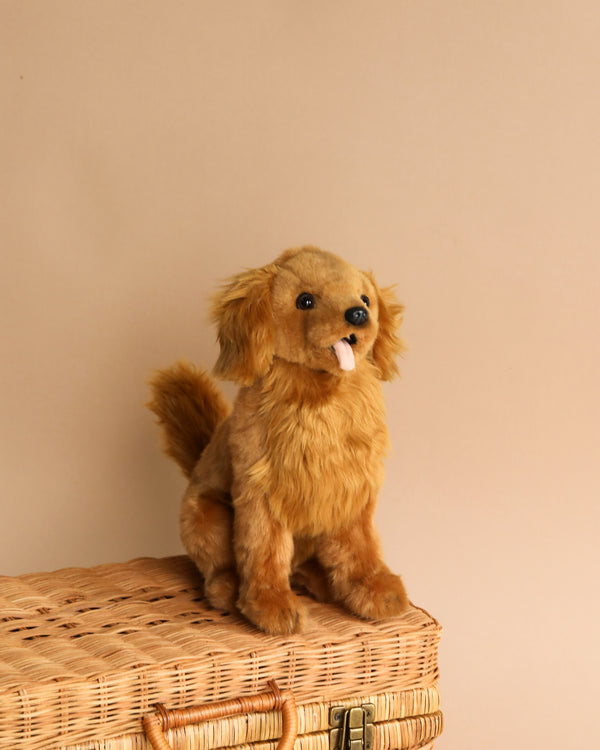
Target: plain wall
[{"x": 151, "y": 149}]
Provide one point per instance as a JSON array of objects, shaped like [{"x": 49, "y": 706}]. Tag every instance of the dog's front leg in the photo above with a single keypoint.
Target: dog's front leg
[
  {"x": 263, "y": 550},
  {"x": 358, "y": 576}
]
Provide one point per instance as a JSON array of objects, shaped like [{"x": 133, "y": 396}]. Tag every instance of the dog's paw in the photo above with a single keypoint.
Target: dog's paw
[
  {"x": 274, "y": 611},
  {"x": 221, "y": 590},
  {"x": 379, "y": 596}
]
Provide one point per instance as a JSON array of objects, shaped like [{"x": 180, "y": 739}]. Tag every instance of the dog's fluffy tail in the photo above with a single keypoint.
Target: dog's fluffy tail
[{"x": 189, "y": 406}]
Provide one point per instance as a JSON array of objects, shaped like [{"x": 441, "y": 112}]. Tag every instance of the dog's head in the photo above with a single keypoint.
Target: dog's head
[{"x": 309, "y": 307}]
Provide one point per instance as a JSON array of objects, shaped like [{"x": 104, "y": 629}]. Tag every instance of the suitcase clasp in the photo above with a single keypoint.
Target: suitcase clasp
[{"x": 351, "y": 728}]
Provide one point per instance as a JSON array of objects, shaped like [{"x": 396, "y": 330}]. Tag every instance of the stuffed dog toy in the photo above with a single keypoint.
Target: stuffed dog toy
[{"x": 283, "y": 486}]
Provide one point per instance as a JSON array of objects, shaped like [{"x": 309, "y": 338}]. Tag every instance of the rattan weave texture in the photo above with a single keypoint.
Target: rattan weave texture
[{"x": 85, "y": 653}]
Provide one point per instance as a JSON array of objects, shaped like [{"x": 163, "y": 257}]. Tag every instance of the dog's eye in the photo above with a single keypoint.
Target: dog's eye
[
  {"x": 366, "y": 300},
  {"x": 305, "y": 301}
]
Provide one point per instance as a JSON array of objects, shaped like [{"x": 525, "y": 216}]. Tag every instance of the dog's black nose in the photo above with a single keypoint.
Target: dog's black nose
[{"x": 357, "y": 316}]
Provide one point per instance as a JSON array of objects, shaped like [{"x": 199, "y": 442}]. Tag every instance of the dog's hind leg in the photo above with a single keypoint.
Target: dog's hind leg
[{"x": 206, "y": 523}]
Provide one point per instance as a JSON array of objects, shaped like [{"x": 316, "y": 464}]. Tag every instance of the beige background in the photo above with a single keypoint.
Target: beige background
[{"x": 150, "y": 149}]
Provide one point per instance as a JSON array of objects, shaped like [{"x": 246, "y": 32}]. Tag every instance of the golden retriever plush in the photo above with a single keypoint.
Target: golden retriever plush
[{"x": 283, "y": 486}]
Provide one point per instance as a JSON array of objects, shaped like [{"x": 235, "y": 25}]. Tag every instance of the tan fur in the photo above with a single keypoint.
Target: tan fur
[
  {"x": 285, "y": 486},
  {"x": 189, "y": 406}
]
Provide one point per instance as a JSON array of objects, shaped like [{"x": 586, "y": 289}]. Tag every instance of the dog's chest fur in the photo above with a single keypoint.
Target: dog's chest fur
[{"x": 322, "y": 450}]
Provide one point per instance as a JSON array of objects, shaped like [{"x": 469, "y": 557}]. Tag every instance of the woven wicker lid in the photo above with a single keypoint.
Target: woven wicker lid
[{"x": 88, "y": 651}]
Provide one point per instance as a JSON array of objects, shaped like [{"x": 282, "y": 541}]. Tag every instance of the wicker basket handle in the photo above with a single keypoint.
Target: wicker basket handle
[{"x": 274, "y": 700}]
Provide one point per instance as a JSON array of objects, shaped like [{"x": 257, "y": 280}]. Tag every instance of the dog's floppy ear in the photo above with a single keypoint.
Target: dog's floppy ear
[
  {"x": 243, "y": 313},
  {"x": 388, "y": 344}
]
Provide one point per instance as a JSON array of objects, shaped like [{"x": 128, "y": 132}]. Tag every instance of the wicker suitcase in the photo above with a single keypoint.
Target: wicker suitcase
[{"x": 90, "y": 658}]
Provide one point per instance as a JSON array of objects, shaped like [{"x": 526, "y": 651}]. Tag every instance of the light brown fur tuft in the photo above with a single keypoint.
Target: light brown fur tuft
[
  {"x": 244, "y": 316},
  {"x": 285, "y": 486},
  {"x": 189, "y": 406}
]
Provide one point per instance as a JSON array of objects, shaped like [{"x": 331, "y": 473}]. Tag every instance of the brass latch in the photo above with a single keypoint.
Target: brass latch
[{"x": 351, "y": 728}]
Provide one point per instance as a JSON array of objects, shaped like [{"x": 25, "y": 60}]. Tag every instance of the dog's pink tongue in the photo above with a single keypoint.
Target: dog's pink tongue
[{"x": 343, "y": 351}]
